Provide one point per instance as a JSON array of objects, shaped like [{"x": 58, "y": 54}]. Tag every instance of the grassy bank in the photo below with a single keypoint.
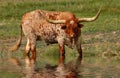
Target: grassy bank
[
  {"x": 11, "y": 12},
  {"x": 99, "y": 36}
]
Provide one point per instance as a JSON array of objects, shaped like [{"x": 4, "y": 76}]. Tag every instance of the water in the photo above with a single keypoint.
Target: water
[
  {"x": 12, "y": 65},
  {"x": 47, "y": 67}
]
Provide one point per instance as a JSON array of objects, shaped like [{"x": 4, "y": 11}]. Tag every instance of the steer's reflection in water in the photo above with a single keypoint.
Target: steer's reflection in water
[{"x": 69, "y": 70}]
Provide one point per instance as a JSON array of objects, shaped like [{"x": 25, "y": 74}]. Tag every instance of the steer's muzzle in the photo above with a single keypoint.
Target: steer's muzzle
[{"x": 72, "y": 35}]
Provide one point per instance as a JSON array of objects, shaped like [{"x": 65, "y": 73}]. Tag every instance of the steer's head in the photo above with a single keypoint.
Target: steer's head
[
  {"x": 72, "y": 27},
  {"x": 70, "y": 24}
]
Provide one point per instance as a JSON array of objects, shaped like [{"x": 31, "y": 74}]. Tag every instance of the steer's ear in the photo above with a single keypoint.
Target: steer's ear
[
  {"x": 63, "y": 27},
  {"x": 80, "y": 25}
]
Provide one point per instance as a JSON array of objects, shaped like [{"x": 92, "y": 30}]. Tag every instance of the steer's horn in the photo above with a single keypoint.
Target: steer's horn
[
  {"x": 52, "y": 21},
  {"x": 90, "y": 19},
  {"x": 55, "y": 21}
]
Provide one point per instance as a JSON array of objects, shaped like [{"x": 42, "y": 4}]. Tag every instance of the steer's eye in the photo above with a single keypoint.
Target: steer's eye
[
  {"x": 63, "y": 27},
  {"x": 80, "y": 25}
]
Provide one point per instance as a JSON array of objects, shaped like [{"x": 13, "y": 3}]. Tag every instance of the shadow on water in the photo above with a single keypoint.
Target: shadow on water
[{"x": 69, "y": 70}]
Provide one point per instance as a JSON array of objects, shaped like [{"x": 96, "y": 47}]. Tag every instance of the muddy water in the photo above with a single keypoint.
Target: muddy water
[
  {"x": 47, "y": 66},
  {"x": 90, "y": 67}
]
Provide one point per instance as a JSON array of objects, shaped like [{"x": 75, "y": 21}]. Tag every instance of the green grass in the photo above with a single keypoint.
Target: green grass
[
  {"x": 11, "y": 12},
  {"x": 102, "y": 32},
  {"x": 4, "y": 74},
  {"x": 99, "y": 37}
]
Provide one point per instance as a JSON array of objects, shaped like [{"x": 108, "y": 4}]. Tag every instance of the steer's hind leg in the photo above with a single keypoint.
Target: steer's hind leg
[
  {"x": 30, "y": 47},
  {"x": 33, "y": 50},
  {"x": 32, "y": 38},
  {"x": 27, "y": 53}
]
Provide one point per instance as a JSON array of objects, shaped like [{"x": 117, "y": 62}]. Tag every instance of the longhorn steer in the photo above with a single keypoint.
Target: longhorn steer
[{"x": 52, "y": 27}]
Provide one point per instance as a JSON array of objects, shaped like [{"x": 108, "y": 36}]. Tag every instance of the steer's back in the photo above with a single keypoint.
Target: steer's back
[{"x": 35, "y": 26}]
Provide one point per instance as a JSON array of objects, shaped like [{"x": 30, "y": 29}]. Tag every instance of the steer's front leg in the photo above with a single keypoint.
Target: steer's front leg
[
  {"x": 80, "y": 51},
  {"x": 62, "y": 54},
  {"x": 79, "y": 48}
]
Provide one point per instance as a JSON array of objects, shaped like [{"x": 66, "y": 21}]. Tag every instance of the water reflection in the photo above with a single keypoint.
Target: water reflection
[
  {"x": 68, "y": 70},
  {"x": 91, "y": 67}
]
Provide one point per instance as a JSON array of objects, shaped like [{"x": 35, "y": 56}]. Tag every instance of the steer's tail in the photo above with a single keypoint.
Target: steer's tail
[{"x": 18, "y": 43}]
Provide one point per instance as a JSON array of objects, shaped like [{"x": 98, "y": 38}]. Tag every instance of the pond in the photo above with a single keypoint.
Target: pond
[
  {"x": 93, "y": 65},
  {"x": 47, "y": 66}
]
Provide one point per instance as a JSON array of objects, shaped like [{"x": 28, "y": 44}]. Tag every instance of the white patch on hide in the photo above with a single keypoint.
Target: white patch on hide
[{"x": 71, "y": 22}]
